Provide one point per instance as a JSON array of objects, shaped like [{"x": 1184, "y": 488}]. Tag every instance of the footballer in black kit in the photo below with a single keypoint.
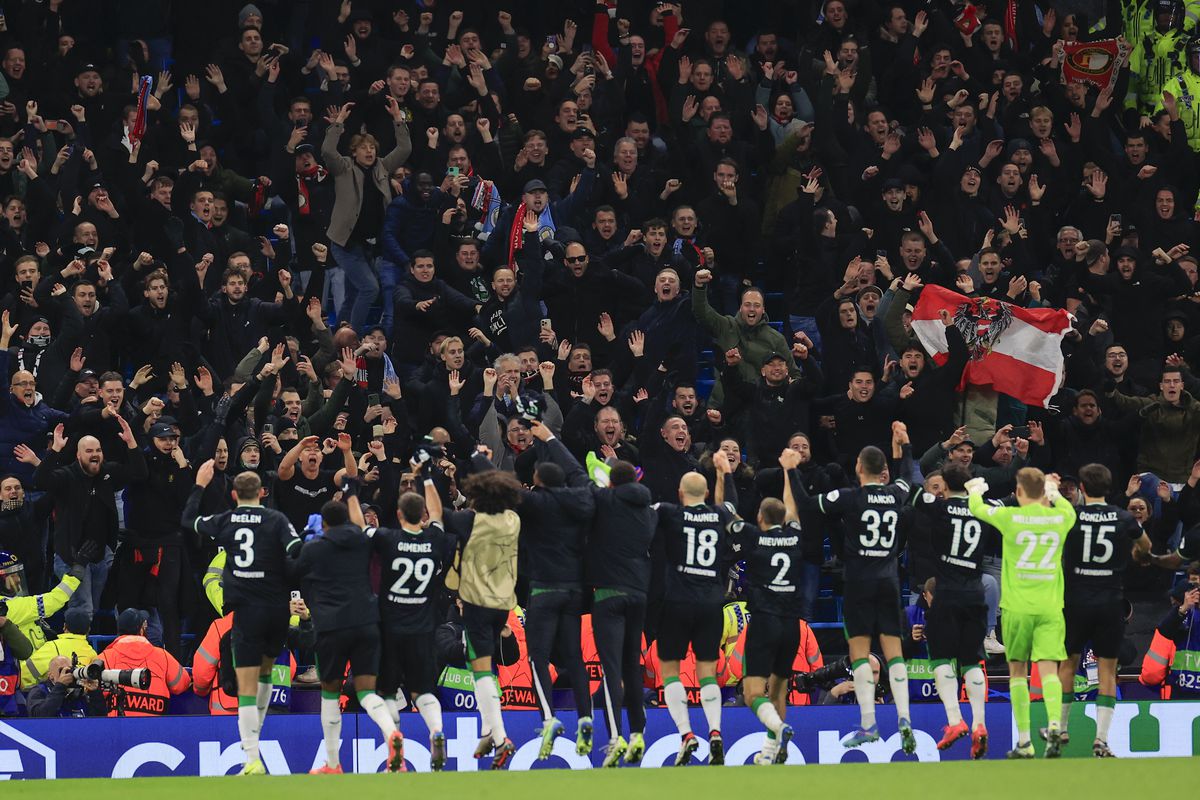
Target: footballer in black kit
[
  {"x": 774, "y": 553},
  {"x": 413, "y": 561},
  {"x": 259, "y": 544},
  {"x": 1096, "y": 554},
  {"x": 871, "y": 606},
  {"x": 956, "y": 623},
  {"x": 698, "y": 555}
]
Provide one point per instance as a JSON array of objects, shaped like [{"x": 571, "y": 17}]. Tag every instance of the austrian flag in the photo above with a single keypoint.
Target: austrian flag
[{"x": 1018, "y": 351}]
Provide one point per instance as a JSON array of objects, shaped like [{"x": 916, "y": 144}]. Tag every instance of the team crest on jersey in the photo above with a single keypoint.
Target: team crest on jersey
[{"x": 981, "y": 322}]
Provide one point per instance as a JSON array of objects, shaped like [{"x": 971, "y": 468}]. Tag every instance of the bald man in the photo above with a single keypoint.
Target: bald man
[
  {"x": 60, "y": 695},
  {"x": 698, "y": 556},
  {"x": 23, "y": 419},
  {"x": 85, "y": 506}
]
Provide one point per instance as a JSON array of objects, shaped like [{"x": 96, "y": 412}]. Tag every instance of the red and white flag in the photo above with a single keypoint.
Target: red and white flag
[{"x": 1016, "y": 350}]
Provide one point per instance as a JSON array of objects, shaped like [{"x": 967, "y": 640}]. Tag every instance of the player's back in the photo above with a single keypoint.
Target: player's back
[
  {"x": 257, "y": 543},
  {"x": 335, "y": 581},
  {"x": 959, "y": 542},
  {"x": 773, "y": 567},
  {"x": 871, "y": 524},
  {"x": 1098, "y": 552},
  {"x": 411, "y": 563},
  {"x": 696, "y": 543},
  {"x": 1031, "y": 577}
]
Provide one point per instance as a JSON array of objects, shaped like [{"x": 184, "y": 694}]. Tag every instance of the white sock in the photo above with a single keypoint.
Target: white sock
[
  {"x": 262, "y": 700},
  {"x": 947, "y": 689},
  {"x": 431, "y": 711},
  {"x": 393, "y": 707},
  {"x": 976, "y": 694},
  {"x": 768, "y": 716},
  {"x": 864, "y": 690},
  {"x": 487, "y": 698},
  {"x": 331, "y": 727},
  {"x": 248, "y": 731},
  {"x": 898, "y": 677},
  {"x": 710, "y": 701},
  {"x": 770, "y": 746},
  {"x": 676, "y": 697},
  {"x": 1104, "y": 715},
  {"x": 378, "y": 712},
  {"x": 1066, "y": 710}
]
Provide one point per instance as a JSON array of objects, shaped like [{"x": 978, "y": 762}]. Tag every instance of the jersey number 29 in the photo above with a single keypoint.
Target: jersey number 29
[{"x": 421, "y": 569}]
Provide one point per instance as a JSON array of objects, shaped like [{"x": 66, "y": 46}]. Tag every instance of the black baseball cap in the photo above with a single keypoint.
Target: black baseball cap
[{"x": 535, "y": 185}]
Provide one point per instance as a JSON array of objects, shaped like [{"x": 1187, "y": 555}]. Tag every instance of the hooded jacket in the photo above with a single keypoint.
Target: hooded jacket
[
  {"x": 618, "y": 548},
  {"x": 1136, "y": 317}
]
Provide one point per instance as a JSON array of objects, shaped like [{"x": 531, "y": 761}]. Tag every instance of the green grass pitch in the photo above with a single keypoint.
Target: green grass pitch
[{"x": 1123, "y": 778}]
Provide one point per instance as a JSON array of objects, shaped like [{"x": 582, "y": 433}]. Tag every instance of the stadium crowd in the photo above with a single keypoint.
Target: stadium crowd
[{"x": 665, "y": 230}]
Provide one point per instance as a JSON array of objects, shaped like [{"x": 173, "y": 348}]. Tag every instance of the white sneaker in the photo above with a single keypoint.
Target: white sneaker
[
  {"x": 309, "y": 676},
  {"x": 991, "y": 646}
]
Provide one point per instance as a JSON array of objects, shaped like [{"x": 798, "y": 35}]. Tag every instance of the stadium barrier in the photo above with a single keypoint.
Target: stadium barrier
[{"x": 144, "y": 747}]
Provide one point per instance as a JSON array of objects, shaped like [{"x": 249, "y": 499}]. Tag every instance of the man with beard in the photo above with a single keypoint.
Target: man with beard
[
  {"x": 510, "y": 317},
  {"x": 775, "y": 407},
  {"x": 608, "y": 439},
  {"x": 507, "y": 239},
  {"x": 158, "y": 329},
  {"x": 424, "y": 305},
  {"x": 236, "y": 322},
  {"x": 85, "y": 503},
  {"x": 857, "y": 417},
  {"x": 24, "y": 419}
]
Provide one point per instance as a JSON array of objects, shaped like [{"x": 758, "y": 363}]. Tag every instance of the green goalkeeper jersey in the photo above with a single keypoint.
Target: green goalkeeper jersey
[{"x": 1031, "y": 581}]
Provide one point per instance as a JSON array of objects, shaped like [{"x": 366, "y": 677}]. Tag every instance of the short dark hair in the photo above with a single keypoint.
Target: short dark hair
[
  {"x": 1096, "y": 480},
  {"x": 550, "y": 474},
  {"x": 956, "y": 476},
  {"x": 873, "y": 460},
  {"x": 412, "y": 507},
  {"x": 423, "y": 254},
  {"x": 335, "y": 512},
  {"x": 622, "y": 472}
]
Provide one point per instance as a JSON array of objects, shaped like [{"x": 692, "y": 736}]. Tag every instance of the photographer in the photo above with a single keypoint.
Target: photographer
[
  {"x": 837, "y": 683},
  {"x": 61, "y": 695},
  {"x": 132, "y": 650}
]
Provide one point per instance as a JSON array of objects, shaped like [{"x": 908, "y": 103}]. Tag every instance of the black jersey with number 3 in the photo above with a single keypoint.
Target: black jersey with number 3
[
  {"x": 959, "y": 542},
  {"x": 773, "y": 558},
  {"x": 412, "y": 565},
  {"x": 871, "y": 523},
  {"x": 257, "y": 543},
  {"x": 696, "y": 539},
  {"x": 1097, "y": 552}
]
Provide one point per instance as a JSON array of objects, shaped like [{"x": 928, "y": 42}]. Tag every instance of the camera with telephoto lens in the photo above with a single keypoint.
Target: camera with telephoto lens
[
  {"x": 134, "y": 678},
  {"x": 428, "y": 450},
  {"x": 826, "y": 677}
]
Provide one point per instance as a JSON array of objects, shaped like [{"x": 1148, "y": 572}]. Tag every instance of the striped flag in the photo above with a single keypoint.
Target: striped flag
[{"x": 1018, "y": 351}]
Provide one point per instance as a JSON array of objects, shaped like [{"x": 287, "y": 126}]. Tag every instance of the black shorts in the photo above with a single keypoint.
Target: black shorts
[
  {"x": 699, "y": 624},
  {"x": 956, "y": 631},
  {"x": 358, "y": 645},
  {"x": 258, "y": 634},
  {"x": 871, "y": 608},
  {"x": 408, "y": 660},
  {"x": 771, "y": 645},
  {"x": 482, "y": 627},
  {"x": 1102, "y": 623}
]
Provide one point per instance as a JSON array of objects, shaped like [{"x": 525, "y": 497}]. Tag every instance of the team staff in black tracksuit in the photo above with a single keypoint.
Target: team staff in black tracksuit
[
  {"x": 334, "y": 576},
  {"x": 555, "y": 519},
  {"x": 618, "y": 571}
]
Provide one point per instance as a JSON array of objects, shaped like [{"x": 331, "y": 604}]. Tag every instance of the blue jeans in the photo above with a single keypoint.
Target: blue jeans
[
  {"x": 389, "y": 276},
  {"x": 357, "y": 265},
  {"x": 810, "y": 584},
  {"x": 991, "y": 595},
  {"x": 87, "y": 596}
]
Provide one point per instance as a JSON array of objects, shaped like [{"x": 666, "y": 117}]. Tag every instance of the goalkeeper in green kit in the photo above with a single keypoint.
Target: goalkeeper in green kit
[{"x": 1031, "y": 593}]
